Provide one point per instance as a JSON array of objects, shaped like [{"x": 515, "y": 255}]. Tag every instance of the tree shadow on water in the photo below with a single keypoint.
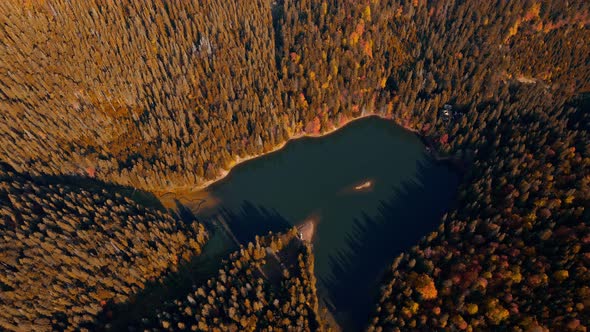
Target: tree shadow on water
[
  {"x": 253, "y": 220},
  {"x": 185, "y": 214},
  {"x": 413, "y": 210}
]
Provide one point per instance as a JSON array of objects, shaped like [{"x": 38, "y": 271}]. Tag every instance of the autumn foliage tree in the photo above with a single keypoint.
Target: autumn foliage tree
[
  {"x": 246, "y": 294},
  {"x": 66, "y": 251},
  {"x": 164, "y": 95}
]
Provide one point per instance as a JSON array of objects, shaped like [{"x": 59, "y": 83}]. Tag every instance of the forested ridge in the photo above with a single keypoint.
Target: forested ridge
[
  {"x": 165, "y": 95},
  {"x": 66, "y": 250},
  {"x": 266, "y": 285},
  {"x": 514, "y": 255}
]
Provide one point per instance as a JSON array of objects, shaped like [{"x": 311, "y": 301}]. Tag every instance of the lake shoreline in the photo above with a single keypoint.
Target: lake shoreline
[
  {"x": 347, "y": 193},
  {"x": 240, "y": 160}
]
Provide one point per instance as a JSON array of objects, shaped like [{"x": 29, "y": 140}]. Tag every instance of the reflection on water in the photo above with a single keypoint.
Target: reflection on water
[{"x": 371, "y": 189}]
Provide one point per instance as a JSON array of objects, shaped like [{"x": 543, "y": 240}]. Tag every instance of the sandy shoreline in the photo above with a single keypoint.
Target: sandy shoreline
[
  {"x": 239, "y": 160},
  {"x": 307, "y": 228}
]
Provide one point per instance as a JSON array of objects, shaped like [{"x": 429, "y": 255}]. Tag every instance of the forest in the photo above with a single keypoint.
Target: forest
[
  {"x": 67, "y": 250},
  {"x": 265, "y": 286},
  {"x": 161, "y": 96}
]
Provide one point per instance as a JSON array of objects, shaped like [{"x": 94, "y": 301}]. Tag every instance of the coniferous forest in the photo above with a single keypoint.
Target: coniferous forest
[{"x": 102, "y": 98}]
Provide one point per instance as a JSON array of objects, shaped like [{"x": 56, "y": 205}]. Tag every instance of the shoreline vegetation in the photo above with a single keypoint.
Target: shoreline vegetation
[
  {"x": 260, "y": 207},
  {"x": 197, "y": 197},
  {"x": 178, "y": 193}
]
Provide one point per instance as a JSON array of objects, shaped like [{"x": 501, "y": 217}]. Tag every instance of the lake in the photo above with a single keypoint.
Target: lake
[{"x": 370, "y": 188}]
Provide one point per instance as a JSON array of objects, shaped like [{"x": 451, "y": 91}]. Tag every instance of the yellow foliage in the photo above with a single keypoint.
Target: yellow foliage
[
  {"x": 354, "y": 38},
  {"x": 513, "y": 30},
  {"x": 414, "y": 307},
  {"x": 410, "y": 309},
  {"x": 472, "y": 308},
  {"x": 367, "y": 14},
  {"x": 561, "y": 275},
  {"x": 516, "y": 277},
  {"x": 496, "y": 313},
  {"x": 541, "y": 202},
  {"x": 532, "y": 216},
  {"x": 335, "y": 69}
]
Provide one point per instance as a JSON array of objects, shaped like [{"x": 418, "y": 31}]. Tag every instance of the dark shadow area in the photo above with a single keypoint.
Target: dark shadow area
[
  {"x": 278, "y": 15},
  {"x": 198, "y": 270},
  {"x": 141, "y": 197},
  {"x": 186, "y": 215},
  {"x": 253, "y": 220},
  {"x": 414, "y": 209},
  {"x": 145, "y": 303}
]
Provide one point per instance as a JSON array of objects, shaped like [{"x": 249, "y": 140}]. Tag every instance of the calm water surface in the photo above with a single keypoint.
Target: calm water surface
[{"x": 359, "y": 232}]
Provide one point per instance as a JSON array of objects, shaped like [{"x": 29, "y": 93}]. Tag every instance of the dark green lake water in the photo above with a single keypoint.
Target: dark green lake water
[{"x": 359, "y": 232}]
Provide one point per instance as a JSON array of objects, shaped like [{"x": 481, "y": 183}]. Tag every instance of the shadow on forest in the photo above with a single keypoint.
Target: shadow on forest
[
  {"x": 77, "y": 182},
  {"x": 152, "y": 297},
  {"x": 413, "y": 210},
  {"x": 145, "y": 302},
  {"x": 199, "y": 269},
  {"x": 278, "y": 14}
]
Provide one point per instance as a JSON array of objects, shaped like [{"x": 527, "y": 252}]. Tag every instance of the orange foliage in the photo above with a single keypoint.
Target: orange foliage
[
  {"x": 496, "y": 313},
  {"x": 316, "y": 125},
  {"x": 425, "y": 287},
  {"x": 358, "y": 32},
  {"x": 302, "y": 101},
  {"x": 368, "y": 48},
  {"x": 91, "y": 171},
  {"x": 343, "y": 120},
  {"x": 561, "y": 275},
  {"x": 533, "y": 12}
]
